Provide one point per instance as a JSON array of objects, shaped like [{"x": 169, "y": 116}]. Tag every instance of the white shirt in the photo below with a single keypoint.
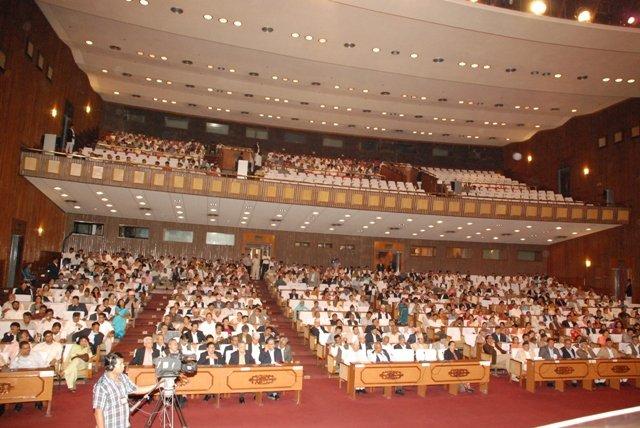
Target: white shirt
[
  {"x": 51, "y": 351},
  {"x": 31, "y": 361}
]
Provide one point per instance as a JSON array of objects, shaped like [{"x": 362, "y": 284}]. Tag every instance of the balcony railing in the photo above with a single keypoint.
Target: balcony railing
[{"x": 85, "y": 170}]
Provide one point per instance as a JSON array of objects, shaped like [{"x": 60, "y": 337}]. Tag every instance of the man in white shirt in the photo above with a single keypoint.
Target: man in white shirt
[
  {"x": 50, "y": 349},
  {"x": 27, "y": 359},
  {"x": 522, "y": 355},
  {"x": 72, "y": 326},
  {"x": 15, "y": 313}
]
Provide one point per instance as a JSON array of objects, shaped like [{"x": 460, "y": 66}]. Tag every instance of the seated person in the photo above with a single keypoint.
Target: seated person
[
  {"x": 78, "y": 360},
  {"x": 145, "y": 355},
  {"x": 549, "y": 352}
]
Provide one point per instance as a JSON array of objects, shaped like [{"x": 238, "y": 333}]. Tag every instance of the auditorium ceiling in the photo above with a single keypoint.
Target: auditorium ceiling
[
  {"x": 450, "y": 71},
  {"x": 122, "y": 202}
]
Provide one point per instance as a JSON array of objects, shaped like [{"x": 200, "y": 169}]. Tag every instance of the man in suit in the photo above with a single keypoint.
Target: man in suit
[
  {"x": 372, "y": 336},
  {"x": 608, "y": 351},
  {"x": 549, "y": 352},
  {"x": 634, "y": 347},
  {"x": 241, "y": 357},
  {"x": 12, "y": 334},
  {"x": 76, "y": 306},
  {"x": 380, "y": 355},
  {"x": 194, "y": 335},
  {"x": 285, "y": 349},
  {"x": 499, "y": 356},
  {"x": 499, "y": 336},
  {"x": 92, "y": 334},
  {"x": 317, "y": 328},
  {"x": 232, "y": 347},
  {"x": 211, "y": 357},
  {"x": 145, "y": 355},
  {"x": 271, "y": 355},
  {"x": 584, "y": 351},
  {"x": 567, "y": 351}
]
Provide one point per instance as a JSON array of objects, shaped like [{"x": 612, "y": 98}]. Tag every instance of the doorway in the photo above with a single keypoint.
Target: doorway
[
  {"x": 388, "y": 255},
  {"x": 564, "y": 181},
  {"x": 18, "y": 229}
]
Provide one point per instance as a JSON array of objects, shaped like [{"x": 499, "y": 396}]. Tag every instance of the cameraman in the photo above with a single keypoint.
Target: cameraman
[{"x": 110, "y": 394}]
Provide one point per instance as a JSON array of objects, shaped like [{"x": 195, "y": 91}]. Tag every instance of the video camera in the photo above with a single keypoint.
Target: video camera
[{"x": 173, "y": 366}]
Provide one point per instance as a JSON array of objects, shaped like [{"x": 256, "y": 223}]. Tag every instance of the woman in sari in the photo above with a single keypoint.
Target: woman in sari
[{"x": 119, "y": 321}]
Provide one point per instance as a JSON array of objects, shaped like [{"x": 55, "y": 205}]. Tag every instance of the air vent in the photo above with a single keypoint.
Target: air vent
[
  {"x": 275, "y": 220},
  {"x": 212, "y": 215},
  {"x": 294, "y": 118},
  {"x": 418, "y": 116},
  {"x": 192, "y": 105},
  {"x": 115, "y": 48},
  {"x": 351, "y": 125},
  {"x": 449, "y": 231},
  {"x": 254, "y": 74},
  {"x": 394, "y": 228},
  {"x": 244, "y": 112},
  {"x": 366, "y": 110},
  {"x": 384, "y": 93},
  {"x": 144, "y": 209},
  {"x": 126, "y": 74},
  {"x": 336, "y": 224},
  {"x": 505, "y": 234},
  {"x": 71, "y": 201},
  {"x": 135, "y": 95},
  {"x": 304, "y": 103},
  {"x": 561, "y": 237},
  {"x": 187, "y": 62},
  {"x": 248, "y": 95},
  {"x": 188, "y": 85},
  {"x": 315, "y": 83}
]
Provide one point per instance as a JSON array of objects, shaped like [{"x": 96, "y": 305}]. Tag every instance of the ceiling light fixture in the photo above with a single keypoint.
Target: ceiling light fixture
[{"x": 538, "y": 7}]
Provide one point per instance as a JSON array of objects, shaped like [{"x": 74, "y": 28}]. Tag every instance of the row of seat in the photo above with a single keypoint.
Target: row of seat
[{"x": 336, "y": 181}]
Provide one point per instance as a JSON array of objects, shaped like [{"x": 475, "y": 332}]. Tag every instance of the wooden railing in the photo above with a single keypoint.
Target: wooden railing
[
  {"x": 191, "y": 182},
  {"x": 230, "y": 380}
]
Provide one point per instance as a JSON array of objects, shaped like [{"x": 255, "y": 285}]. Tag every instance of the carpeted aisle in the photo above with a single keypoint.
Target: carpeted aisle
[{"x": 323, "y": 404}]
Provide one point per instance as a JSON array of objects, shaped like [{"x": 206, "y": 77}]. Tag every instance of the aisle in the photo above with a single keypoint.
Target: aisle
[{"x": 301, "y": 351}]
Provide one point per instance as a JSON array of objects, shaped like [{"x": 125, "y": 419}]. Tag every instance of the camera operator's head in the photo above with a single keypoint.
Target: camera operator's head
[{"x": 114, "y": 363}]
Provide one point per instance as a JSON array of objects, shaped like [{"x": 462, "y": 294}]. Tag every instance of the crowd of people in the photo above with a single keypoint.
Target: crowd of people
[
  {"x": 346, "y": 167},
  {"x": 76, "y": 314},
  {"x": 151, "y": 151},
  {"x": 364, "y": 315}
]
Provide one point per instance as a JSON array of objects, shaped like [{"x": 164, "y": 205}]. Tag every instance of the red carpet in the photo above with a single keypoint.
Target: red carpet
[{"x": 323, "y": 404}]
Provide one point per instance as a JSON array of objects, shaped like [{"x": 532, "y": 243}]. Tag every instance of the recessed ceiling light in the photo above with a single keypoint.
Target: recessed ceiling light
[
  {"x": 207, "y": 17},
  {"x": 57, "y": 188},
  {"x": 104, "y": 199},
  {"x": 89, "y": 42},
  {"x": 618, "y": 80},
  {"x": 247, "y": 213},
  {"x": 303, "y": 227},
  {"x": 549, "y": 240},
  {"x": 376, "y": 50},
  {"x": 387, "y": 232},
  {"x": 478, "y": 233},
  {"x": 573, "y": 110},
  {"x": 462, "y": 63},
  {"x": 76, "y": 207},
  {"x": 631, "y": 81},
  {"x": 347, "y": 215},
  {"x": 588, "y": 229},
  {"x": 414, "y": 55},
  {"x": 605, "y": 79},
  {"x": 113, "y": 211},
  {"x": 116, "y": 93},
  {"x": 144, "y": 2},
  {"x": 439, "y": 221},
  {"x": 142, "y": 203},
  {"x": 64, "y": 195},
  {"x": 322, "y": 40},
  {"x": 308, "y": 37},
  {"x": 409, "y": 219},
  {"x": 295, "y": 35},
  {"x": 557, "y": 75},
  {"x": 222, "y": 20},
  {"x": 99, "y": 193},
  {"x": 528, "y": 227},
  {"x": 442, "y": 235},
  {"x": 522, "y": 239},
  {"x": 486, "y": 66},
  {"x": 237, "y": 23},
  {"x": 104, "y": 70}
]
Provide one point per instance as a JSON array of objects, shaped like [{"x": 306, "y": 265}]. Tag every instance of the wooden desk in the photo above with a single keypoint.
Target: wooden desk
[
  {"x": 231, "y": 380},
  {"x": 23, "y": 386},
  {"x": 392, "y": 375},
  {"x": 586, "y": 371}
]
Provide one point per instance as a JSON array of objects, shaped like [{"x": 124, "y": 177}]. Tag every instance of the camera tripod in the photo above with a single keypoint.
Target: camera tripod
[{"x": 167, "y": 406}]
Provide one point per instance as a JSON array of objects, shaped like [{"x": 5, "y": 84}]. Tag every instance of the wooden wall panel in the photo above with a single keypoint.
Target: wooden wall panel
[
  {"x": 615, "y": 166},
  {"x": 286, "y": 249},
  {"x": 26, "y": 100}
]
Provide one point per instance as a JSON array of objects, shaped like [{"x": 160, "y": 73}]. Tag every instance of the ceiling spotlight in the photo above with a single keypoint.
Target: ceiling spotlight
[
  {"x": 557, "y": 75},
  {"x": 323, "y": 40},
  {"x": 376, "y": 50},
  {"x": 462, "y": 63},
  {"x": 538, "y": 7},
  {"x": 222, "y": 20},
  {"x": 606, "y": 79},
  {"x": 208, "y": 17},
  {"x": 113, "y": 211},
  {"x": 584, "y": 15},
  {"x": 414, "y": 55},
  {"x": 237, "y": 23},
  {"x": 631, "y": 20},
  {"x": 144, "y": 2},
  {"x": 295, "y": 35},
  {"x": 147, "y": 214},
  {"x": 89, "y": 42},
  {"x": 308, "y": 37}
]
